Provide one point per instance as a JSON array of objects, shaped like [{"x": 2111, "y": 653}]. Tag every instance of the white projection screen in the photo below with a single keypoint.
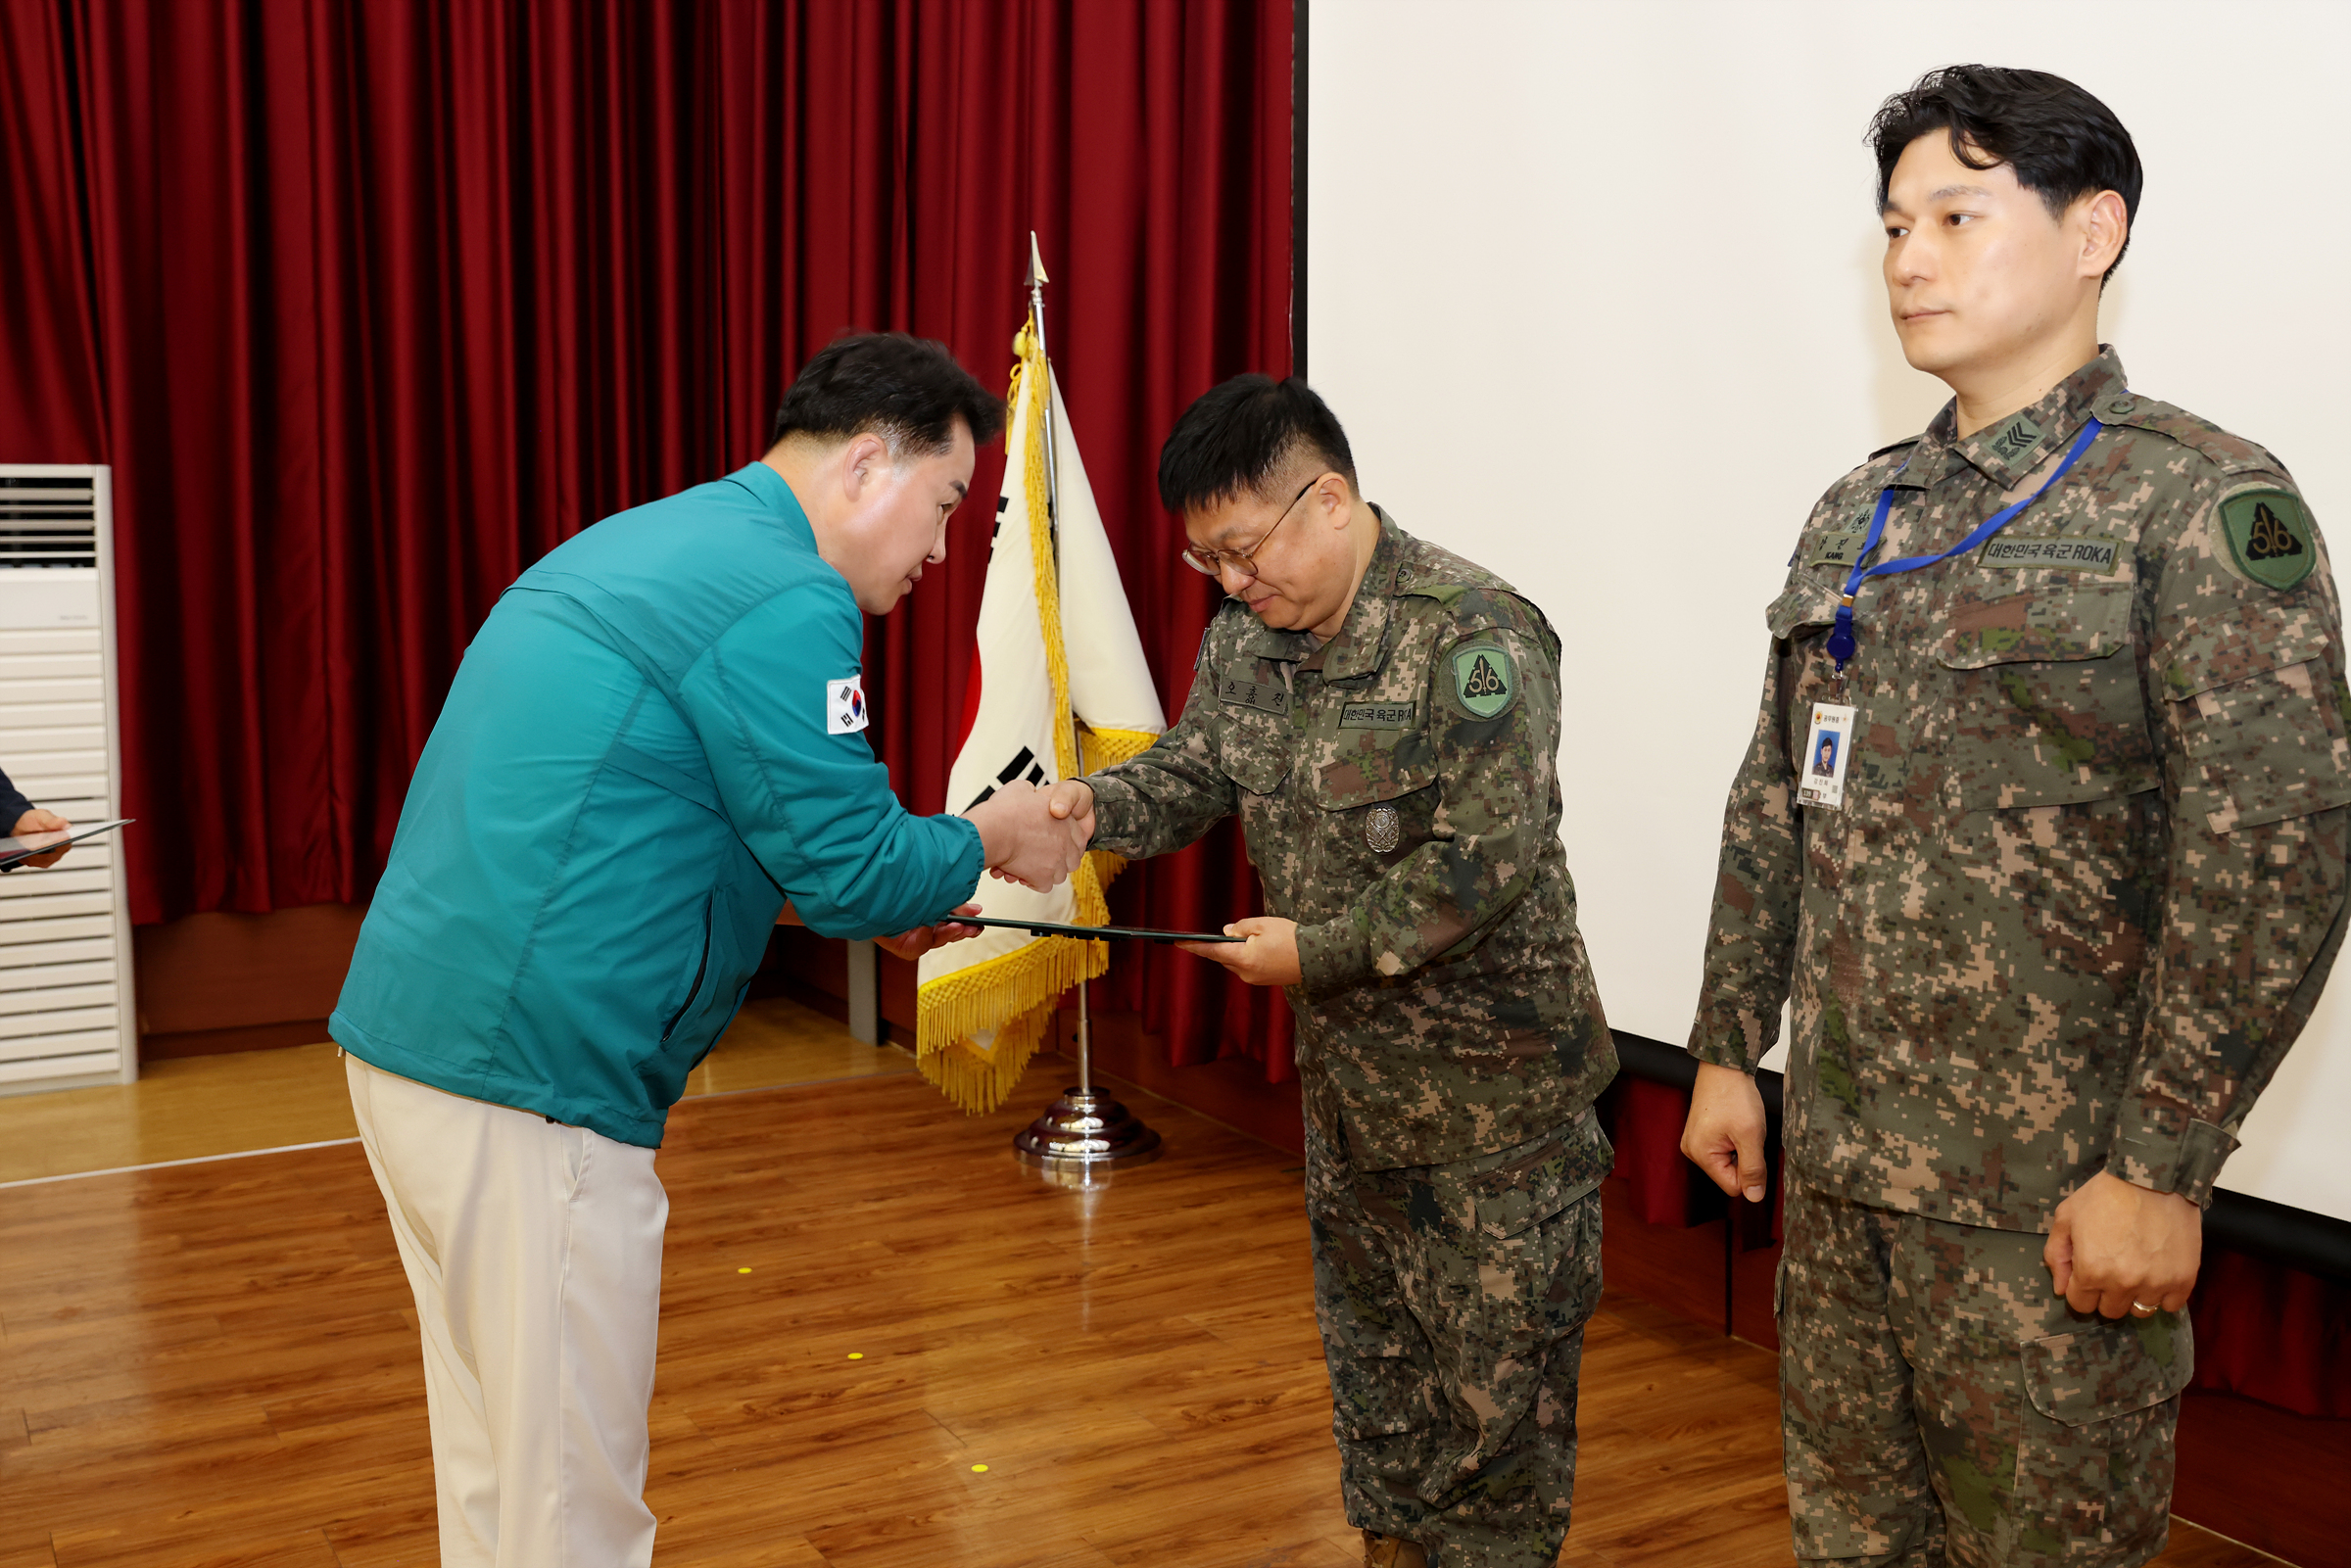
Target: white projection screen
[{"x": 1593, "y": 288}]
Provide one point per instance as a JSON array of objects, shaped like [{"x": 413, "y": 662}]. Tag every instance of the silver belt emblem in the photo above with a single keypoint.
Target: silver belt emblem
[{"x": 1383, "y": 829}]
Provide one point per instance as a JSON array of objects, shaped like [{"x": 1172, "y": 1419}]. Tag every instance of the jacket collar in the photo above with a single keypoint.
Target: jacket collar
[
  {"x": 2008, "y": 449},
  {"x": 1360, "y": 644},
  {"x": 776, "y": 496}
]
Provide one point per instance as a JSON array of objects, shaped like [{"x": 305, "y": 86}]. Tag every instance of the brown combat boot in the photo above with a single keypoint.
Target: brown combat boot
[{"x": 1387, "y": 1551}]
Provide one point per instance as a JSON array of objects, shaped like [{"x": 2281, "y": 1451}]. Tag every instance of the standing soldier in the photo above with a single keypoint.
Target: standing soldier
[
  {"x": 1384, "y": 717},
  {"x": 2069, "y": 900}
]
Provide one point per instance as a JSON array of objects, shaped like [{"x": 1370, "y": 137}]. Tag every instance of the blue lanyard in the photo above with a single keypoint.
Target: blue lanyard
[{"x": 1840, "y": 640}]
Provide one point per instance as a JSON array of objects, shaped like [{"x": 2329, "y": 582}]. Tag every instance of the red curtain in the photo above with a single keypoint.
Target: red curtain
[{"x": 371, "y": 305}]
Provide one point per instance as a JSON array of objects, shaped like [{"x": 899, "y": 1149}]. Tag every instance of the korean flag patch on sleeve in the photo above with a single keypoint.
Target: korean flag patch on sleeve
[{"x": 845, "y": 705}]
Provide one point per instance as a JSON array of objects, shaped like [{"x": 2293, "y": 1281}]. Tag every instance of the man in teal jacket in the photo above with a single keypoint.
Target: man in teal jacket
[{"x": 651, "y": 753}]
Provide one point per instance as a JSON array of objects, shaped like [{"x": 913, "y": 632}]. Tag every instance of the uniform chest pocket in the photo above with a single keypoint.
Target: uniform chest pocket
[
  {"x": 1372, "y": 767},
  {"x": 2045, "y": 707},
  {"x": 1804, "y": 616},
  {"x": 1255, "y": 749},
  {"x": 1377, "y": 798}
]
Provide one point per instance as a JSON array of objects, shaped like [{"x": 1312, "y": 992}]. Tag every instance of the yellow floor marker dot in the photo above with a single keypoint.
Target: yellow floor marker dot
[
  {"x": 856, "y": 1355},
  {"x": 978, "y": 1469},
  {"x": 743, "y": 1271}
]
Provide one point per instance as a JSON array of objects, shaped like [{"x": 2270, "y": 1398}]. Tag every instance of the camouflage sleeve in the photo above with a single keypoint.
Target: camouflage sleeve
[
  {"x": 1494, "y": 779},
  {"x": 1170, "y": 795},
  {"x": 2247, "y": 665},
  {"x": 1750, "y": 937}
]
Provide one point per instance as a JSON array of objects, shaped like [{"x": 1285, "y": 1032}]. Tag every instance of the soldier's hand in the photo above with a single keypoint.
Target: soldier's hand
[
  {"x": 1724, "y": 1135},
  {"x": 2115, "y": 1247},
  {"x": 1269, "y": 957},
  {"x": 1074, "y": 800},
  {"x": 1025, "y": 842},
  {"x": 915, "y": 943}
]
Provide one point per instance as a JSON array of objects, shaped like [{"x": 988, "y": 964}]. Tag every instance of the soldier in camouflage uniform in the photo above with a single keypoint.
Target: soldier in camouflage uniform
[
  {"x": 1384, "y": 717},
  {"x": 2080, "y": 892}
]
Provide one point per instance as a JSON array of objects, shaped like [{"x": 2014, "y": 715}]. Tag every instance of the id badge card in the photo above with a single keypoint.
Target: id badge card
[{"x": 1827, "y": 747}]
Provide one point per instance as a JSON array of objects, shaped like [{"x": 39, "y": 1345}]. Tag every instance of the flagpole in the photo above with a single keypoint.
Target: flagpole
[
  {"x": 1044, "y": 406},
  {"x": 1083, "y": 1136}
]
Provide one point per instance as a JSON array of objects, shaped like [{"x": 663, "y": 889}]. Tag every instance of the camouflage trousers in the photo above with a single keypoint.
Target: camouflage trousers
[
  {"x": 1453, "y": 1300},
  {"x": 1941, "y": 1403}
]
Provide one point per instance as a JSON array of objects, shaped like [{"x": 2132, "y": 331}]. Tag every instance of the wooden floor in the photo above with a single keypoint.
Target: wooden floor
[
  {"x": 197, "y": 1108},
  {"x": 215, "y": 1365}
]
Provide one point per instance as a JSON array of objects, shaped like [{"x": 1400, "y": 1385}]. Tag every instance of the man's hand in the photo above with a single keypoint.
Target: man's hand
[
  {"x": 913, "y": 944},
  {"x": 1025, "y": 842},
  {"x": 1724, "y": 1135},
  {"x": 2116, "y": 1248},
  {"x": 1073, "y": 798},
  {"x": 41, "y": 820},
  {"x": 1269, "y": 957}
]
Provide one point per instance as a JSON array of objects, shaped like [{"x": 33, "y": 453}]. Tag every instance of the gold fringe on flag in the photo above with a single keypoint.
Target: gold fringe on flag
[{"x": 1011, "y": 998}]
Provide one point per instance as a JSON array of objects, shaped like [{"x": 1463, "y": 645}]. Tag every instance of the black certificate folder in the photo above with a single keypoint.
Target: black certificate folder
[
  {"x": 14, "y": 852},
  {"x": 1110, "y": 933}
]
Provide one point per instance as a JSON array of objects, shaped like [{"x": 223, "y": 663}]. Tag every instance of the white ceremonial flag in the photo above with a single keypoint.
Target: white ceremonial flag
[{"x": 1047, "y": 640}]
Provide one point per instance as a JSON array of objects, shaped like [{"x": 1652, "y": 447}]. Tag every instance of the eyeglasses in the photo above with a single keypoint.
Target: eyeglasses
[{"x": 1212, "y": 562}]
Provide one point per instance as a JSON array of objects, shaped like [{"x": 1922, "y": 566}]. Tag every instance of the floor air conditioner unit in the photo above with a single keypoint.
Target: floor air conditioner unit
[{"x": 68, "y": 1018}]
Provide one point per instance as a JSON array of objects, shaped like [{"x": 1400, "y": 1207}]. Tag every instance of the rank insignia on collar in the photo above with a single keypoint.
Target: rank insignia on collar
[
  {"x": 2269, "y": 536},
  {"x": 2017, "y": 437},
  {"x": 1383, "y": 829}
]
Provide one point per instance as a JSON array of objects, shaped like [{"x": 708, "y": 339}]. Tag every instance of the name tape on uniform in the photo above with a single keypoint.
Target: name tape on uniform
[
  {"x": 2063, "y": 555},
  {"x": 1827, "y": 747},
  {"x": 1253, "y": 695},
  {"x": 845, "y": 705}
]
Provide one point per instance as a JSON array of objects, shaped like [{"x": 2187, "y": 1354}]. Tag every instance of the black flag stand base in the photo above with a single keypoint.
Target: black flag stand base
[{"x": 1086, "y": 1134}]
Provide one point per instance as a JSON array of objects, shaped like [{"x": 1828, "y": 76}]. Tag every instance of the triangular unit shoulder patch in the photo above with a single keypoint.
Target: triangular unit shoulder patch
[
  {"x": 2269, "y": 535},
  {"x": 1486, "y": 680}
]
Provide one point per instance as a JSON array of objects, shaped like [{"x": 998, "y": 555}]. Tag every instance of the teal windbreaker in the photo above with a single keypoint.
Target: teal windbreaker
[{"x": 632, "y": 772}]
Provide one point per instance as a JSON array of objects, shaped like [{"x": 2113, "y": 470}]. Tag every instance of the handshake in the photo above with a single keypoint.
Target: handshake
[{"x": 1036, "y": 836}]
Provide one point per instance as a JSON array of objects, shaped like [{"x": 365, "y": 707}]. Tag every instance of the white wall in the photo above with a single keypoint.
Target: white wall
[{"x": 1594, "y": 287}]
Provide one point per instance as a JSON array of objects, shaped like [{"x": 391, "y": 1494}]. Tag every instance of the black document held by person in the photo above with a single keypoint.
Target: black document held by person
[
  {"x": 1112, "y": 934},
  {"x": 14, "y": 852}
]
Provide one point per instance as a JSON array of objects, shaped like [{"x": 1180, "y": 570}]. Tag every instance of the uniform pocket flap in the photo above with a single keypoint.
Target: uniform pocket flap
[
  {"x": 1375, "y": 765},
  {"x": 1253, "y": 748},
  {"x": 2088, "y": 622},
  {"x": 2247, "y": 642},
  {"x": 1260, "y": 772},
  {"x": 2105, "y": 1370},
  {"x": 1804, "y": 604},
  {"x": 1520, "y": 1194}
]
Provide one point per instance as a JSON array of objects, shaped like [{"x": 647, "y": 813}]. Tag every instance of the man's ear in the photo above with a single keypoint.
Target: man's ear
[
  {"x": 864, "y": 462},
  {"x": 2106, "y": 224},
  {"x": 1331, "y": 496}
]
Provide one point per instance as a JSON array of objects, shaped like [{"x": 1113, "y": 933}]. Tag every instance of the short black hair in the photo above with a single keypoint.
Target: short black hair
[
  {"x": 908, "y": 389},
  {"x": 1237, "y": 434},
  {"x": 2061, "y": 141}
]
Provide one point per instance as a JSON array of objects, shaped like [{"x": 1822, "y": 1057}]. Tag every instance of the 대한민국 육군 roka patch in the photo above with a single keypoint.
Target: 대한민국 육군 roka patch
[
  {"x": 2076, "y": 553},
  {"x": 2269, "y": 536},
  {"x": 1486, "y": 680}
]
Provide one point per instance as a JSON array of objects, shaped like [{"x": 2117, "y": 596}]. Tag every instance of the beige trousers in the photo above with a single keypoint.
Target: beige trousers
[{"x": 534, "y": 1253}]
